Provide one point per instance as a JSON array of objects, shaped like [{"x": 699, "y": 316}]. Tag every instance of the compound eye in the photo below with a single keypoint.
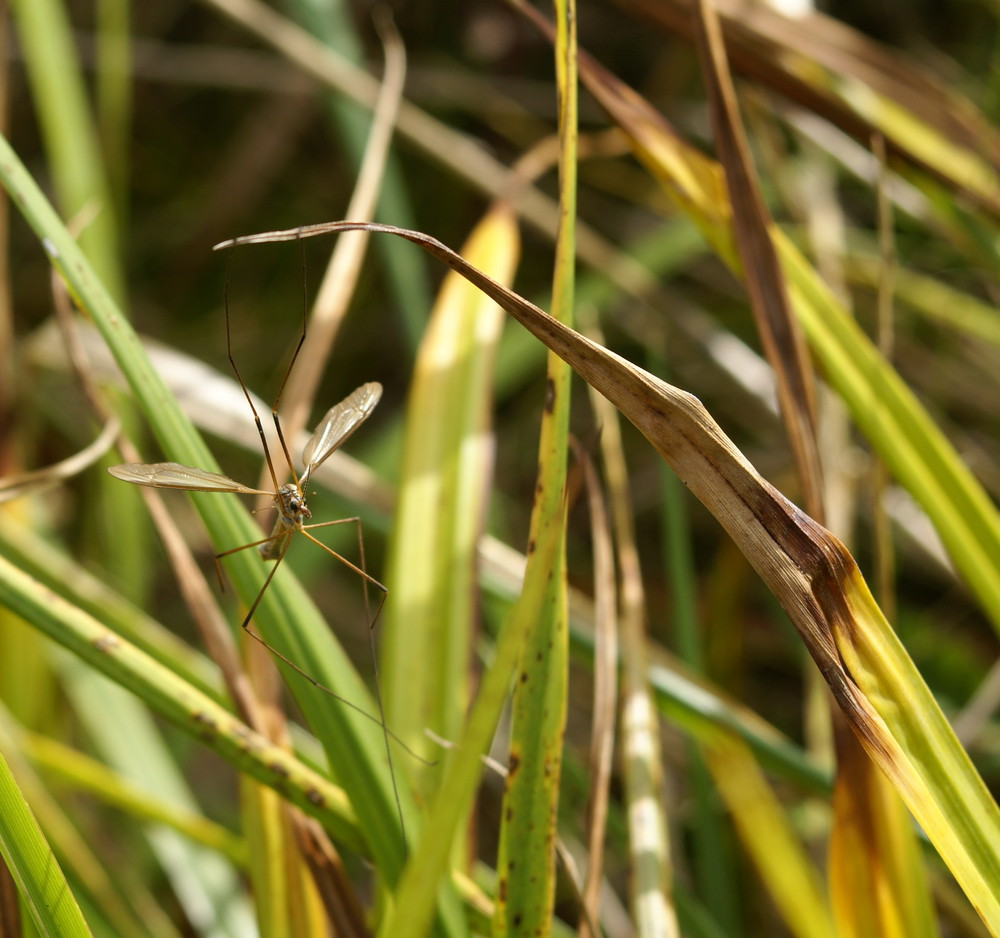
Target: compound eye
[{"x": 298, "y": 505}]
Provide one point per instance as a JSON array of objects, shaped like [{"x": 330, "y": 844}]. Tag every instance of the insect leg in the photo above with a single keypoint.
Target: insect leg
[{"x": 366, "y": 579}]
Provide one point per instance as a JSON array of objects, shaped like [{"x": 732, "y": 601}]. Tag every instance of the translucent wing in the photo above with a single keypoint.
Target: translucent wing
[
  {"x": 172, "y": 475},
  {"x": 340, "y": 422}
]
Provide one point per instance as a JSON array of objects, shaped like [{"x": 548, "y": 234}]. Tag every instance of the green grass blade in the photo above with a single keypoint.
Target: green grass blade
[
  {"x": 453, "y": 798},
  {"x": 179, "y": 702},
  {"x": 68, "y": 128},
  {"x": 526, "y": 859},
  {"x": 40, "y": 881},
  {"x": 443, "y": 483}
]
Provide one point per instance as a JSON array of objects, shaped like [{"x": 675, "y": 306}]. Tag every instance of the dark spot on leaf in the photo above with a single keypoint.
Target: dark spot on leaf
[
  {"x": 550, "y": 396},
  {"x": 278, "y": 769},
  {"x": 209, "y": 724}
]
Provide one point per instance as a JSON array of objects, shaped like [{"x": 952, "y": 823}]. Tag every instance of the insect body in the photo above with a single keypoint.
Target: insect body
[{"x": 289, "y": 499}]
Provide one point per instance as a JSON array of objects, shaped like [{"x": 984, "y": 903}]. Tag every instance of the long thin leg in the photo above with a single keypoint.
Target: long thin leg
[
  {"x": 366, "y": 579},
  {"x": 235, "y": 550},
  {"x": 375, "y": 676},
  {"x": 245, "y": 625},
  {"x": 263, "y": 540},
  {"x": 360, "y": 571}
]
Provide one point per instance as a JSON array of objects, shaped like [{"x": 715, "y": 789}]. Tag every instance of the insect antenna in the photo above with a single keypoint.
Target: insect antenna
[
  {"x": 243, "y": 387},
  {"x": 291, "y": 365}
]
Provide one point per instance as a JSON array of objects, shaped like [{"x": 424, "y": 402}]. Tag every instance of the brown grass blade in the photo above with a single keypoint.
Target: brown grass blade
[
  {"x": 782, "y": 53},
  {"x": 780, "y": 333}
]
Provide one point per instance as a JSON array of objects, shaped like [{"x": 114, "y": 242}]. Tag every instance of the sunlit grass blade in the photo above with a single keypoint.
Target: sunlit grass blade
[
  {"x": 179, "y": 702},
  {"x": 443, "y": 481},
  {"x": 767, "y": 835},
  {"x": 43, "y": 888}
]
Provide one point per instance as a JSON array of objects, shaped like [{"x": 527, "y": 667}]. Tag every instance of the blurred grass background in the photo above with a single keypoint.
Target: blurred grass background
[
  {"x": 189, "y": 130},
  {"x": 225, "y": 139}
]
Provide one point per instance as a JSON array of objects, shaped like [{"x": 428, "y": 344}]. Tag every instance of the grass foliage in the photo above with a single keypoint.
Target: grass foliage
[{"x": 612, "y": 712}]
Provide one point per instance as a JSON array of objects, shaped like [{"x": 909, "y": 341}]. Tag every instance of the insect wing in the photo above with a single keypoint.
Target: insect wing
[
  {"x": 340, "y": 422},
  {"x": 172, "y": 475}
]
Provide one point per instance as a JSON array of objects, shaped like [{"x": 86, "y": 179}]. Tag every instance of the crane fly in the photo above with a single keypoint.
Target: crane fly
[
  {"x": 289, "y": 499},
  {"x": 293, "y": 514}
]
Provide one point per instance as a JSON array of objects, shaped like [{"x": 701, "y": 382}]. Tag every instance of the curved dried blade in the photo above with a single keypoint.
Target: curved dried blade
[
  {"x": 40, "y": 479},
  {"x": 340, "y": 422},
  {"x": 172, "y": 475}
]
